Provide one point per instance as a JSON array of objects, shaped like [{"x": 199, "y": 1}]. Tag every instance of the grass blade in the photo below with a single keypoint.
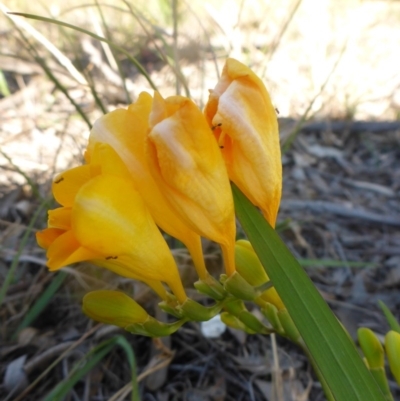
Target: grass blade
[
  {"x": 50, "y": 75},
  {"x": 24, "y": 240},
  {"x": 4, "y": 89},
  {"x": 63, "y": 60},
  {"x": 89, "y": 362},
  {"x": 334, "y": 263},
  {"x": 113, "y": 61},
  {"x": 41, "y": 302},
  {"x": 334, "y": 353},
  {"x": 64, "y": 90},
  {"x": 393, "y": 323},
  {"x": 163, "y": 50},
  {"x": 33, "y": 186},
  {"x": 93, "y": 35}
]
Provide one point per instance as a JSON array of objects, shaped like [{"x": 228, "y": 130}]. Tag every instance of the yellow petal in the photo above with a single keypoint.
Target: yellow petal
[
  {"x": 67, "y": 184},
  {"x": 186, "y": 163},
  {"x": 110, "y": 218},
  {"x": 117, "y": 266},
  {"x": 109, "y": 161},
  {"x": 188, "y": 167},
  {"x": 66, "y": 250},
  {"x": 60, "y": 218},
  {"x": 245, "y": 124},
  {"x": 46, "y": 237},
  {"x": 125, "y": 131},
  {"x": 113, "y": 307}
]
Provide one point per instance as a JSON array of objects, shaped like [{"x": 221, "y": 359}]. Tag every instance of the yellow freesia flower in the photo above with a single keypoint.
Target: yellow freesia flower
[
  {"x": 103, "y": 219},
  {"x": 242, "y": 117},
  {"x": 125, "y": 130},
  {"x": 187, "y": 165}
]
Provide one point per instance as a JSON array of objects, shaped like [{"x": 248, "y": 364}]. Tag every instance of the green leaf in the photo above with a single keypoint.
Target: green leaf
[
  {"x": 11, "y": 271},
  {"x": 87, "y": 363},
  {"x": 4, "y": 89},
  {"x": 41, "y": 302},
  {"x": 393, "y": 323},
  {"x": 140, "y": 68},
  {"x": 334, "y": 353},
  {"x": 334, "y": 263}
]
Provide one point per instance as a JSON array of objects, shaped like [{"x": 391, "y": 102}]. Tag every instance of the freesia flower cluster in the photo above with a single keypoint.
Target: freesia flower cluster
[{"x": 163, "y": 164}]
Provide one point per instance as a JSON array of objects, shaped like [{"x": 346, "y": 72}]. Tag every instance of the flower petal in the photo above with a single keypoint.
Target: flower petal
[
  {"x": 46, "y": 237},
  {"x": 110, "y": 218},
  {"x": 60, "y": 218},
  {"x": 186, "y": 163},
  {"x": 66, "y": 250},
  {"x": 246, "y": 127},
  {"x": 67, "y": 184},
  {"x": 109, "y": 161},
  {"x": 126, "y": 131}
]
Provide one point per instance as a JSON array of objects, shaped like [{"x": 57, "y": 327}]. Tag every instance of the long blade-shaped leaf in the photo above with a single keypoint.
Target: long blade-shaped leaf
[
  {"x": 88, "y": 363},
  {"x": 140, "y": 68},
  {"x": 332, "y": 349},
  {"x": 393, "y": 323},
  {"x": 41, "y": 302}
]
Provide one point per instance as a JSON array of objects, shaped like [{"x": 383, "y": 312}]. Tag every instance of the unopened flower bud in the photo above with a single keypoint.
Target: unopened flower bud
[
  {"x": 392, "y": 347},
  {"x": 235, "y": 323},
  {"x": 239, "y": 287},
  {"x": 371, "y": 347},
  {"x": 113, "y": 307}
]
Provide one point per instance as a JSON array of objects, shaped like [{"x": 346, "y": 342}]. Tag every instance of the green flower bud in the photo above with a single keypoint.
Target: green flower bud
[
  {"x": 248, "y": 265},
  {"x": 173, "y": 310},
  {"x": 113, "y": 307},
  {"x": 371, "y": 347},
  {"x": 253, "y": 323},
  {"x": 137, "y": 328},
  {"x": 235, "y": 323},
  {"x": 159, "y": 329},
  {"x": 196, "y": 312},
  {"x": 374, "y": 358},
  {"x": 271, "y": 313},
  {"x": 211, "y": 287},
  {"x": 392, "y": 347},
  {"x": 155, "y": 328},
  {"x": 236, "y": 308},
  {"x": 288, "y": 326},
  {"x": 239, "y": 287}
]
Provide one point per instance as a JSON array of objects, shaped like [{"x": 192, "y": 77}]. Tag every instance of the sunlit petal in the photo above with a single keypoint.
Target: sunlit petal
[
  {"x": 189, "y": 168},
  {"x": 60, "y": 218},
  {"x": 110, "y": 218},
  {"x": 126, "y": 132},
  {"x": 67, "y": 184},
  {"x": 186, "y": 163},
  {"x": 245, "y": 124},
  {"x": 66, "y": 250},
  {"x": 46, "y": 237}
]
